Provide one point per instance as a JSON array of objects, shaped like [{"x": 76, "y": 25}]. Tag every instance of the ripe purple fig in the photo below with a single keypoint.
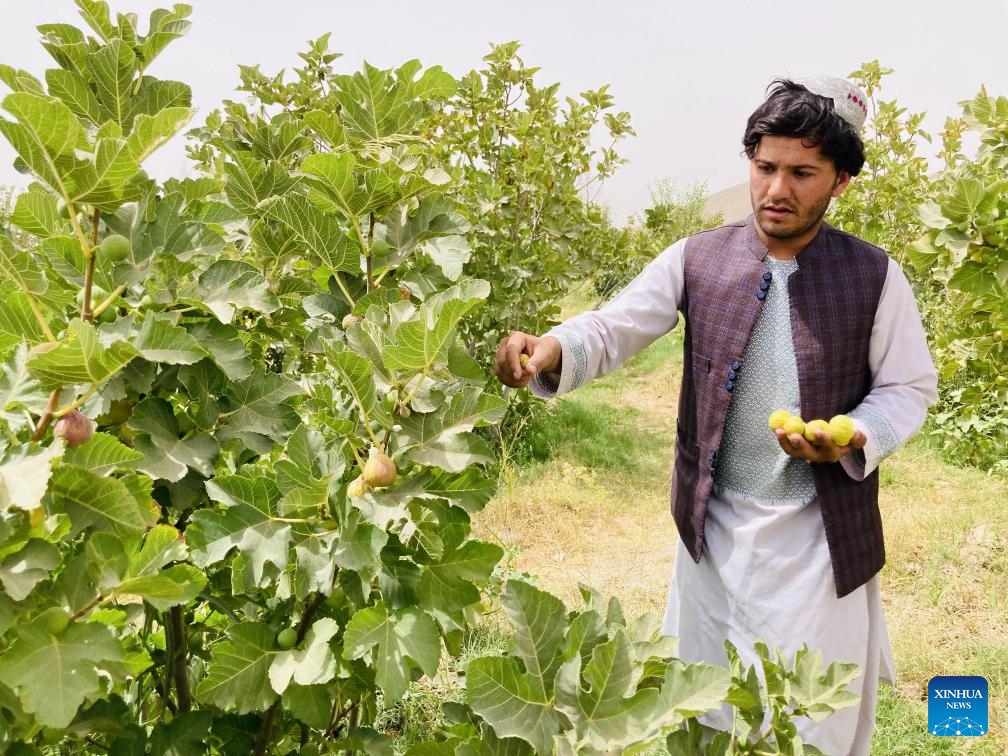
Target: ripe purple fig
[
  {"x": 380, "y": 470},
  {"x": 75, "y": 428}
]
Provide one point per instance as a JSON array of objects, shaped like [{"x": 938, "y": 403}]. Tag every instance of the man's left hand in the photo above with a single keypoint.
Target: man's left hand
[{"x": 824, "y": 450}]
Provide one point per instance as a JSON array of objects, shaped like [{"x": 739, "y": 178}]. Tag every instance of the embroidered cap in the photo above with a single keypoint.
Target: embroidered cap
[{"x": 849, "y": 102}]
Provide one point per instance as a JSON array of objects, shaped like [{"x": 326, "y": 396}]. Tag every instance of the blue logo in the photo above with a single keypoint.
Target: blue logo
[{"x": 957, "y": 705}]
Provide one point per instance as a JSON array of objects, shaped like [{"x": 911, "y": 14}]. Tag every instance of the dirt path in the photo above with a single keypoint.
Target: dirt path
[{"x": 609, "y": 530}]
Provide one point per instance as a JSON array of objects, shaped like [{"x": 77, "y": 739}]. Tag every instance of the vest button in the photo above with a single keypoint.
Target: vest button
[
  {"x": 760, "y": 295},
  {"x": 764, "y": 286},
  {"x": 767, "y": 276},
  {"x": 729, "y": 385},
  {"x": 736, "y": 365},
  {"x": 732, "y": 375}
]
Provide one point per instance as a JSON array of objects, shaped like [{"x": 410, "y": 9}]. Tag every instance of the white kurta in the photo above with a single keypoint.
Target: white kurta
[{"x": 766, "y": 572}]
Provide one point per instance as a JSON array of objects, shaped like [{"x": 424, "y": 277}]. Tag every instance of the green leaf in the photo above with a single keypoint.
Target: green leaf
[
  {"x": 450, "y": 253},
  {"x": 25, "y": 475},
  {"x": 20, "y": 268},
  {"x": 163, "y": 27},
  {"x": 820, "y": 691},
  {"x": 112, "y": 68},
  {"x": 21, "y": 571},
  {"x": 692, "y": 689},
  {"x": 79, "y": 358},
  {"x": 102, "y": 454},
  {"x": 317, "y": 235},
  {"x": 469, "y": 489},
  {"x": 247, "y": 524},
  {"x": 53, "y": 675},
  {"x": 20, "y": 393},
  {"x": 72, "y": 88},
  {"x": 605, "y": 711},
  {"x": 419, "y": 343},
  {"x": 166, "y": 453},
  {"x": 35, "y": 212},
  {"x": 159, "y": 340},
  {"x": 310, "y": 704},
  {"x": 161, "y": 545},
  {"x": 511, "y": 702},
  {"x": 19, "y": 322},
  {"x": 403, "y": 640},
  {"x": 448, "y": 586},
  {"x": 251, "y": 181},
  {"x": 259, "y": 406},
  {"x": 356, "y": 373},
  {"x": 311, "y": 664},
  {"x": 539, "y": 621},
  {"x": 453, "y": 453},
  {"x": 228, "y": 285},
  {"x": 238, "y": 676},
  {"x": 103, "y": 503},
  {"x": 224, "y": 344},
  {"x": 360, "y": 543},
  {"x": 46, "y": 135},
  {"x": 175, "y": 585}
]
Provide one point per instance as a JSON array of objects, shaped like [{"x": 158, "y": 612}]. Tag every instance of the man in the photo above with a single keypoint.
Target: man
[{"x": 780, "y": 537}]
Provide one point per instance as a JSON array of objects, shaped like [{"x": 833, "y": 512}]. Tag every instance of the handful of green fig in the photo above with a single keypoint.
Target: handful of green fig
[{"x": 839, "y": 427}]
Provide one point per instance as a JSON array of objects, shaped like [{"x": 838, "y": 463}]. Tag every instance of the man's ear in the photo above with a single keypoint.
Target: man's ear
[{"x": 843, "y": 178}]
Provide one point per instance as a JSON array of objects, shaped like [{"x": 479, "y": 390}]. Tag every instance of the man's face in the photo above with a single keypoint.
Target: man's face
[{"x": 791, "y": 186}]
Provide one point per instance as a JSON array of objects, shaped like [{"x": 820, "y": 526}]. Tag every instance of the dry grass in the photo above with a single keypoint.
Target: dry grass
[{"x": 944, "y": 585}]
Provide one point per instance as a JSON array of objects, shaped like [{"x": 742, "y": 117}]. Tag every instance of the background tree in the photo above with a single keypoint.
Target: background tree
[{"x": 524, "y": 171}]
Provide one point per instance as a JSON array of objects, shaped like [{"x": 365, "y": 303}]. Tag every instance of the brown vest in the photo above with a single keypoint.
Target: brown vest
[{"x": 833, "y": 295}]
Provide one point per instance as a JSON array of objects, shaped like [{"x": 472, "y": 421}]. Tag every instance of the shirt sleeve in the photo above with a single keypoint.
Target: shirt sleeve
[
  {"x": 904, "y": 381},
  {"x": 595, "y": 343}
]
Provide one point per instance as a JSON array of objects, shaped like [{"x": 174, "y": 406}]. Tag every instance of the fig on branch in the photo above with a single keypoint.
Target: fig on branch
[
  {"x": 75, "y": 428},
  {"x": 380, "y": 470},
  {"x": 349, "y": 320},
  {"x": 114, "y": 248},
  {"x": 841, "y": 429},
  {"x": 55, "y": 619},
  {"x": 810, "y": 430},
  {"x": 777, "y": 419},
  {"x": 287, "y": 638}
]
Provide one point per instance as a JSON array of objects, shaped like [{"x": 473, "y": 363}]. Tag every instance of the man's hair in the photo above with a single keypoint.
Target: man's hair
[{"x": 791, "y": 110}]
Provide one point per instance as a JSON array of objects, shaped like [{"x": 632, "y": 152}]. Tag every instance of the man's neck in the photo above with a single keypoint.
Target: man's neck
[{"x": 788, "y": 249}]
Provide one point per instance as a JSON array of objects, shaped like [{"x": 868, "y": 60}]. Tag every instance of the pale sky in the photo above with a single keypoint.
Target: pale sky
[{"x": 688, "y": 73}]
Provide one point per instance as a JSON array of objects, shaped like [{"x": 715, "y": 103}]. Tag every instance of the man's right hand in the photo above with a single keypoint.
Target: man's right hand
[{"x": 544, "y": 355}]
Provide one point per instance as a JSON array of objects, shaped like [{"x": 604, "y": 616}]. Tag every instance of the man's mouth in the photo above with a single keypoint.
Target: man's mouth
[{"x": 777, "y": 211}]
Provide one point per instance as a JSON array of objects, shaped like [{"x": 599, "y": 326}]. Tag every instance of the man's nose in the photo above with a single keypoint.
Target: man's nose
[{"x": 779, "y": 186}]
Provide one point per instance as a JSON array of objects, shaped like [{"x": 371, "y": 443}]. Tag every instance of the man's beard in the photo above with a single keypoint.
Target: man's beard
[{"x": 817, "y": 214}]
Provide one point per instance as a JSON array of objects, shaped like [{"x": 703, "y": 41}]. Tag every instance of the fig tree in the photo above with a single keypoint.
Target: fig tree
[
  {"x": 75, "y": 428},
  {"x": 380, "y": 470}
]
